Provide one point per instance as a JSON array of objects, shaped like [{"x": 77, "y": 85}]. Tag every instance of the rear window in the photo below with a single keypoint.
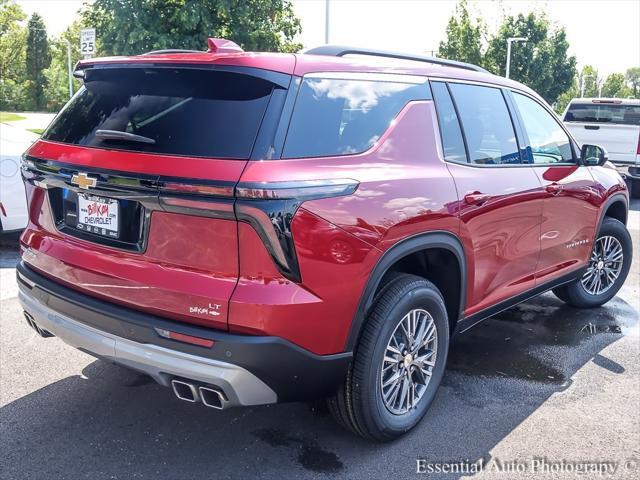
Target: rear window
[
  {"x": 334, "y": 116},
  {"x": 603, "y": 113},
  {"x": 186, "y": 112}
]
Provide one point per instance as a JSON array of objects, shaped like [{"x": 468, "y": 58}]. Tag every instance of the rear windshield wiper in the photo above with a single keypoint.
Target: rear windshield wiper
[{"x": 122, "y": 136}]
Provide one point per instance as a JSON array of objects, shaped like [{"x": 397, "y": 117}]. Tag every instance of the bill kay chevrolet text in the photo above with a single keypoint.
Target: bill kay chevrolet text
[{"x": 253, "y": 228}]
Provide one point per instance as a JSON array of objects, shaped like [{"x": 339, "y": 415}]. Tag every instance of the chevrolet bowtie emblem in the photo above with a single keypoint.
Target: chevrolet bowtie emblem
[{"x": 83, "y": 180}]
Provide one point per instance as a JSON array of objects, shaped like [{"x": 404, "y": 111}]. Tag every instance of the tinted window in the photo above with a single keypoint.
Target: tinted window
[
  {"x": 487, "y": 125},
  {"x": 549, "y": 143},
  {"x": 603, "y": 113},
  {"x": 183, "y": 112},
  {"x": 450, "y": 132},
  {"x": 341, "y": 117}
]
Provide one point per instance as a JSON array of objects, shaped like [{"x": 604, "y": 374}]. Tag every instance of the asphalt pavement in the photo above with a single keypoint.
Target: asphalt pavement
[{"x": 540, "y": 391}]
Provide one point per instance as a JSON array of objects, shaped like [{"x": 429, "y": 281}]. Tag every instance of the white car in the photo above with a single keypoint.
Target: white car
[
  {"x": 13, "y": 202},
  {"x": 613, "y": 123}
]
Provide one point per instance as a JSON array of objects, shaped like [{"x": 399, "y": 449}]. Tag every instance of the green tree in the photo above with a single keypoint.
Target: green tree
[
  {"x": 57, "y": 88},
  {"x": 615, "y": 86},
  {"x": 633, "y": 77},
  {"x": 38, "y": 58},
  {"x": 12, "y": 56},
  {"x": 589, "y": 78},
  {"x": 565, "y": 97},
  {"x": 542, "y": 63},
  {"x": 126, "y": 27},
  {"x": 464, "y": 37},
  {"x": 588, "y": 81}
]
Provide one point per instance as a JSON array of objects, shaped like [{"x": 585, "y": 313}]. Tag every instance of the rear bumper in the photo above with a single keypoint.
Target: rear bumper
[{"x": 250, "y": 370}]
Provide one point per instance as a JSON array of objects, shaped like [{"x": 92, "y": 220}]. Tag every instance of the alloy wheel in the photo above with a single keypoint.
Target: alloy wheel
[
  {"x": 408, "y": 361},
  {"x": 604, "y": 266}
]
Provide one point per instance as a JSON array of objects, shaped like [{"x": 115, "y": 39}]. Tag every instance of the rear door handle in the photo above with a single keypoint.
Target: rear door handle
[
  {"x": 553, "y": 188},
  {"x": 476, "y": 198}
]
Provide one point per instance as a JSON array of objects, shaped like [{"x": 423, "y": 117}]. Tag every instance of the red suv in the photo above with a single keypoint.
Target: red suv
[{"x": 252, "y": 228}]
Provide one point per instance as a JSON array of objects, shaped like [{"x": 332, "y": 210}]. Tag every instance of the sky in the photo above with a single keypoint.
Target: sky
[{"x": 603, "y": 33}]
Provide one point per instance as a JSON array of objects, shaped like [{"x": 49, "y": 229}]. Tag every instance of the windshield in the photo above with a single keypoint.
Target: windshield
[
  {"x": 603, "y": 113},
  {"x": 172, "y": 111}
]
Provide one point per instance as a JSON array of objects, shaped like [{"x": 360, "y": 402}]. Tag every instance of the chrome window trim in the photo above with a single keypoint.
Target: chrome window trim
[
  {"x": 369, "y": 77},
  {"x": 527, "y": 94}
]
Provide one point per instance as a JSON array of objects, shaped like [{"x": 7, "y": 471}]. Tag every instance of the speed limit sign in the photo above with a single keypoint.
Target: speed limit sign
[{"x": 88, "y": 41}]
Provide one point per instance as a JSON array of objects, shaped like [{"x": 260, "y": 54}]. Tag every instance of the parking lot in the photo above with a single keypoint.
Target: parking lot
[{"x": 539, "y": 381}]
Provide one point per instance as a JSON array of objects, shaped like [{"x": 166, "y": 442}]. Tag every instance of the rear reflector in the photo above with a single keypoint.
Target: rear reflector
[{"x": 181, "y": 337}]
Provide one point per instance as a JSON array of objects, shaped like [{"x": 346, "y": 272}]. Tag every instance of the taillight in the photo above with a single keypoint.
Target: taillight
[
  {"x": 306, "y": 190},
  {"x": 215, "y": 189},
  {"x": 638, "y": 149},
  {"x": 269, "y": 207}
]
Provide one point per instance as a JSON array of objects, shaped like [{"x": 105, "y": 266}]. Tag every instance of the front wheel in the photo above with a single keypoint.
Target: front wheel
[
  {"x": 398, "y": 363},
  {"x": 607, "y": 269}
]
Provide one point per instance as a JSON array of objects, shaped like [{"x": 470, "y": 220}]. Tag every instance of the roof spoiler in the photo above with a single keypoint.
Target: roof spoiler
[
  {"x": 222, "y": 45},
  {"x": 214, "y": 45}
]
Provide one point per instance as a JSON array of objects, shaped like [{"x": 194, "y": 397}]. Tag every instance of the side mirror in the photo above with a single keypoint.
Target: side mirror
[{"x": 593, "y": 155}]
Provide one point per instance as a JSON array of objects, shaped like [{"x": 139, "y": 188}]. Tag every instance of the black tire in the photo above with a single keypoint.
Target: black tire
[
  {"x": 359, "y": 405},
  {"x": 576, "y": 295}
]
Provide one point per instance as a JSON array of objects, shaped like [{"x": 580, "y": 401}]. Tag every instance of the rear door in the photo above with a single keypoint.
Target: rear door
[
  {"x": 132, "y": 186},
  {"x": 500, "y": 205},
  {"x": 571, "y": 196}
]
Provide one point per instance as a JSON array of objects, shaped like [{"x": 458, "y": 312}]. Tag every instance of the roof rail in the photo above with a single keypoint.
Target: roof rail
[
  {"x": 171, "y": 50},
  {"x": 341, "y": 51}
]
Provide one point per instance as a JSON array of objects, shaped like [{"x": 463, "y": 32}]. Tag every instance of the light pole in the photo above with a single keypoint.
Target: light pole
[
  {"x": 326, "y": 22},
  {"x": 510, "y": 40},
  {"x": 582, "y": 84}
]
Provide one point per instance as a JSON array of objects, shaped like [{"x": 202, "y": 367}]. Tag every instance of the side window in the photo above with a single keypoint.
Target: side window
[
  {"x": 487, "y": 124},
  {"x": 334, "y": 116},
  {"x": 549, "y": 143},
  {"x": 452, "y": 141}
]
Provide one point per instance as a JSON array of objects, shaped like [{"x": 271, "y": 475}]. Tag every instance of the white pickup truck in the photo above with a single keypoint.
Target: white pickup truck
[{"x": 614, "y": 124}]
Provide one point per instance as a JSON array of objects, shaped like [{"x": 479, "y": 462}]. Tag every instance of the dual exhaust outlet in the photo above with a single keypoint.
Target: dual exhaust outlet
[
  {"x": 40, "y": 331},
  {"x": 191, "y": 392}
]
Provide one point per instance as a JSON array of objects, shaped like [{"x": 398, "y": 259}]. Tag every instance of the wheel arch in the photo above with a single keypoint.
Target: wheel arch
[
  {"x": 616, "y": 206},
  {"x": 418, "y": 243}
]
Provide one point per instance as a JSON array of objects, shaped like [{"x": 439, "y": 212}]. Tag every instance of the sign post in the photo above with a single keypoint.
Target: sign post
[
  {"x": 88, "y": 42},
  {"x": 69, "y": 69}
]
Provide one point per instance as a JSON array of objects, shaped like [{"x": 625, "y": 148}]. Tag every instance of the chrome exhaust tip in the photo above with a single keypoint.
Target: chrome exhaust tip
[
  {"x": 212, "y": 398},
  {"x": 185, "y": 391},
  {"x": 40, "y": 331}
]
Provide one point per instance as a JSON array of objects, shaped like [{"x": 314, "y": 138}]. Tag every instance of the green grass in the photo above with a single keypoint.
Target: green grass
[
  {"x": 36, "y": 130},
  {"x": 10, "y": 117}
]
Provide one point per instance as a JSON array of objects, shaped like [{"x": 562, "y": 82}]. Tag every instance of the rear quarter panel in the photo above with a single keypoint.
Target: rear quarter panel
[{"x": 404, "y": 188}]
